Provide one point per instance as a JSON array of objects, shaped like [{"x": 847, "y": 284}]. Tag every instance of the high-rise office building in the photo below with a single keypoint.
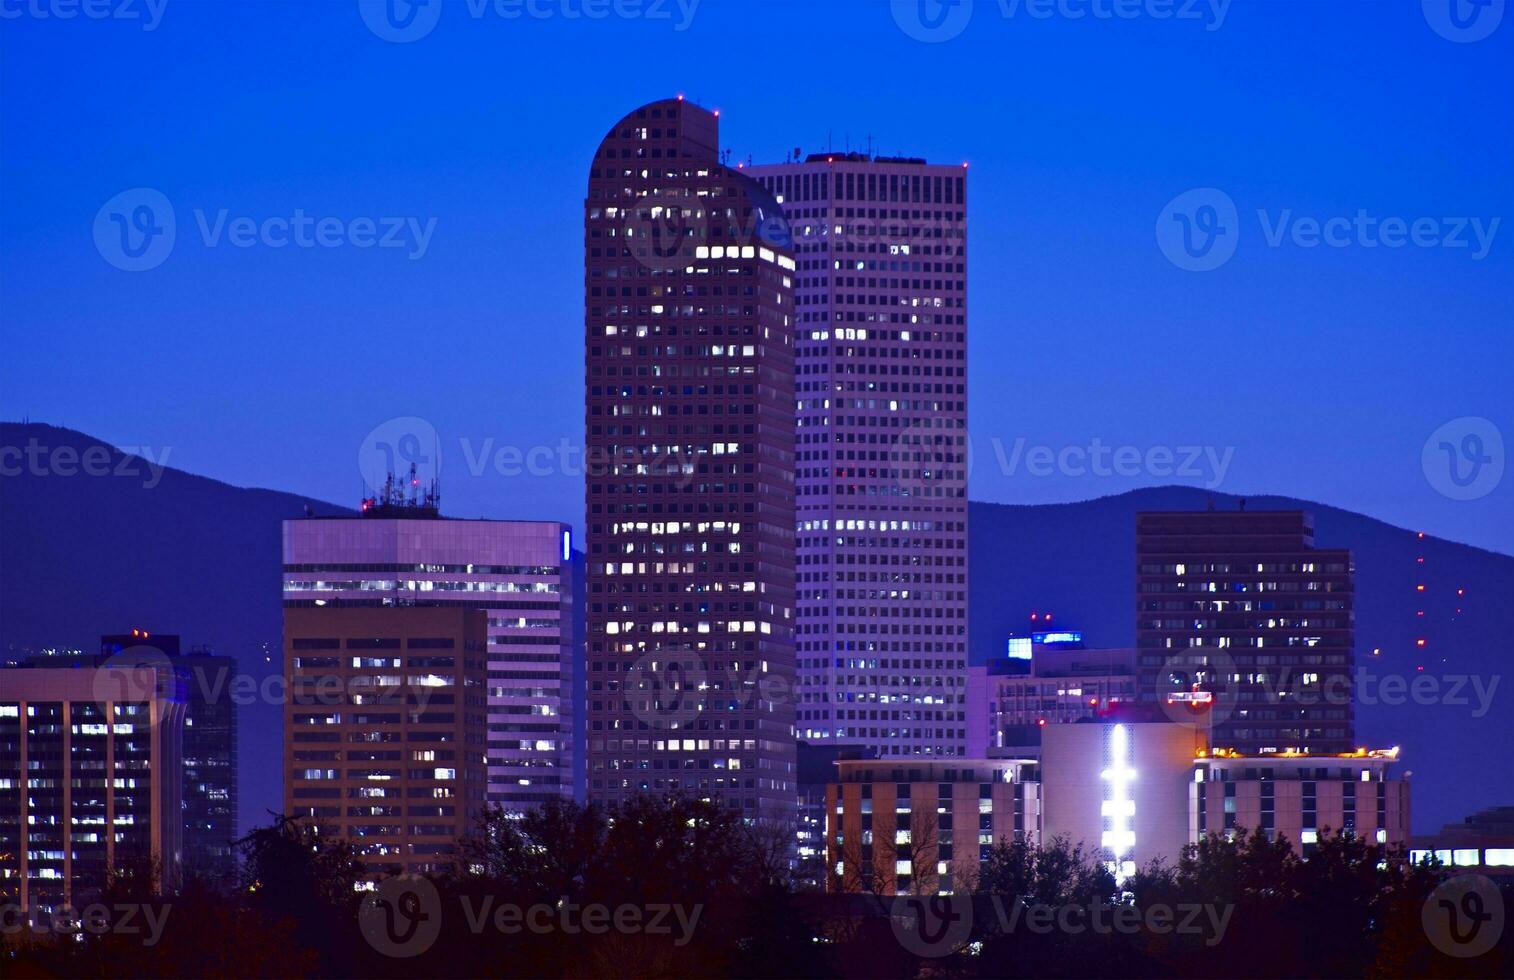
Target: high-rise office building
[
  {"x": 881, "y": 349},
  {"x": 90, "y": 781},
  {"x": 1241, "y": 617},
  {"x": 384, "y": 729},
  {"x": 519, "y": 571},
  {"x": 204, "y": 683},
  {"x": 689, "y": 419}
]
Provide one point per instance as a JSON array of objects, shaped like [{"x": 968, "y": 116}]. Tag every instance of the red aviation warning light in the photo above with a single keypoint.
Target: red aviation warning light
[{"x": 1197, "y": 700}]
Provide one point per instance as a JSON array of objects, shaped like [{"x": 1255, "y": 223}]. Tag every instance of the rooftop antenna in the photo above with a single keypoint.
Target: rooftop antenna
[{"x": 869, "y": 145}]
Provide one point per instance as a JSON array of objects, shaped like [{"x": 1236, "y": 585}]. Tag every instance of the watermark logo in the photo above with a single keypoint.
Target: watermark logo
[
  {"x": 1198, "y": 230},
  {"x": 661, "y": 229},
  {"x": 932, "y": 926},
  {"x": 393, "y": 447},
  {"x": 134, "y": 231},
  {"x": 665, "y": 694},
  {"x": 1464, "y": 459},
  {"x": 403, "y": 21},
  {"x": 1463, "y": 21},
  {"x": 400, "y": 21},
  {"x": 932, "y": 21},
  {"x": 1464, "y": 916},
  {"x": 402, "y": 916},
  {"x": 930, "y": 457},
  {"x": 1198, "y": 686},
  {"x": 135, "y": 675}
]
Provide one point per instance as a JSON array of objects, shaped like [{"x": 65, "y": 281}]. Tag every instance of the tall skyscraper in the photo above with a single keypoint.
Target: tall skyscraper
[
  {"x": 519, "y": 571},
  {"x": 689, "y": 376},
  {"x": 881, "y": 346},
  {"x": 385, "y": 729},
  {"x": 1238, "y": 614},
  {"x": 90, "y": 781}
]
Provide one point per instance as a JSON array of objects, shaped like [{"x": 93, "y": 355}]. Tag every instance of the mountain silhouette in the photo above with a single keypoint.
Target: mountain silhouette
[{"x": 136, "y": 544}]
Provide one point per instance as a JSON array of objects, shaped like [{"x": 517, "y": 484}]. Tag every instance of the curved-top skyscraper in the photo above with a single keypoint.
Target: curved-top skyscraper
[{"x": 689, "y": 427}]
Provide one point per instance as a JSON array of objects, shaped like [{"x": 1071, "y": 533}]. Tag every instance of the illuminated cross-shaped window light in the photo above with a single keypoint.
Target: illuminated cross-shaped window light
[{"x": 1118, "y": 808}]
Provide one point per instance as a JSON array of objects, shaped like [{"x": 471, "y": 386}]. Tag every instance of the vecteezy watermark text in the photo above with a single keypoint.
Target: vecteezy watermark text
[
  {"x": 934, "y": 926},
  {"x": 1209, "y": 463},
  {"x": 403, "y": 21},
  {"x": 399, "y": 442},
  {"x": 149, "y": 12},
  {"x": 934, "y": 21},
  {"x": 1105, "y": 919},
  {"x": 1199, "y": 230},
  {"x": 136, "y": 230},
  {"x": 303, "y": 231},
  {"x": 131, "y": 462},
  {"x": 96, "y": 919},
  {"x": 402, "y": 917}
]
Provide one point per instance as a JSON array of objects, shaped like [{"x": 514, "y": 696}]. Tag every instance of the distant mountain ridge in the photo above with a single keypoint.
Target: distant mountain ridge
[{"x": 82, "y": 555}]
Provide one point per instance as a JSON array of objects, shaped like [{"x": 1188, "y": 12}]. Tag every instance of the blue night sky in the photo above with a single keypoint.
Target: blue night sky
[{"x": 1320, "y": 371}]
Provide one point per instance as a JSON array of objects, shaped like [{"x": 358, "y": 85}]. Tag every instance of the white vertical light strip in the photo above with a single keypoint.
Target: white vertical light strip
[{"x": 1118, "y": 807}]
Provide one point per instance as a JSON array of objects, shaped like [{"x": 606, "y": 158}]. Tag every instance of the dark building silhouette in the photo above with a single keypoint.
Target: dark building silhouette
[
  {"x": 209, "y": 748},
  {"x": 1242, "y": 619},
  {"x": 689, "y": 376}
]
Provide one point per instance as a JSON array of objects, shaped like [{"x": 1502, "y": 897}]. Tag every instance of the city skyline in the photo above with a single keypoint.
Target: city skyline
[{"x": 778, "y": 621}]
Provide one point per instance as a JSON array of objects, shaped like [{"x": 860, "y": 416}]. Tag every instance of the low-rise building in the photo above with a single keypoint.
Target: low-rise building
[
  {"x": 1128, "y": 787},
  {"x": 1481, "y": 844},
  {"x": 906, "y": 826},
  {"x": 1301, "y": 797}
]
